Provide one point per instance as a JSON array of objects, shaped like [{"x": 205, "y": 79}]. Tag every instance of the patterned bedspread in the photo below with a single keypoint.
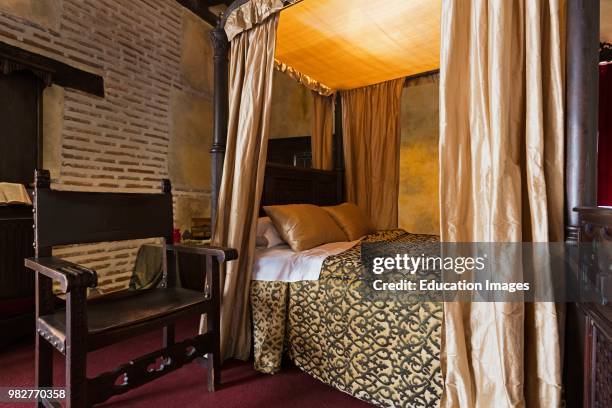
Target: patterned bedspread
[{"x": 383, "y": 352}]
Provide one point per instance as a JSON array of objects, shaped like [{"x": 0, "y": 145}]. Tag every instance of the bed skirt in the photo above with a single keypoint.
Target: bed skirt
[{"x": 385, "y": 353}]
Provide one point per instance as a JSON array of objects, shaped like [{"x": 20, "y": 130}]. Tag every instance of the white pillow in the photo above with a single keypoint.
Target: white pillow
[{"x": 267, "y": 235}]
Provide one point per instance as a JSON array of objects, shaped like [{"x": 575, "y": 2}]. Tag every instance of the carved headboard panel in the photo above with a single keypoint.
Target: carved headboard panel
[{"x": 296, "y": 185}]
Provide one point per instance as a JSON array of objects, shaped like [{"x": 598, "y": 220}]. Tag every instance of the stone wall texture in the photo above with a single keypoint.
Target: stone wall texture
[
  {"x": 152, "y": 55},
  {"x": 291, "y": 110},
  {"x": 418, "y": 196}
]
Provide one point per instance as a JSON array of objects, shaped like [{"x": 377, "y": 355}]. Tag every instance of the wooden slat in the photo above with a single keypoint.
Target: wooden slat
[
  {"x": 115, "y": 317},
  {"x": 296, "y": 185},
  {"x": 147, "y": 368},
  {"x": 66, "y": 217},
  {"x": 201, "y": 9},
  {"x": 64, "y": 272},
  {"x": 61, "y": 74}
]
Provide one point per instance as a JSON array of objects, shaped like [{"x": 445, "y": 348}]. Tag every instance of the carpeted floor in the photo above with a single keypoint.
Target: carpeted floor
[{"x": 241, "y": 385}]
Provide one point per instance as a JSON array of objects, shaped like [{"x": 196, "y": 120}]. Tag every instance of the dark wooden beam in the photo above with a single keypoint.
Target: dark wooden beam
[
  {"x": 221, "y": 48},
  {"x": 51, "y": 71},
  {"x": 582, "y": 100},
  {"x": 201, "y": 9},
  {"x": 220, "y": 93},
  {"x": 582, "y": 109}
]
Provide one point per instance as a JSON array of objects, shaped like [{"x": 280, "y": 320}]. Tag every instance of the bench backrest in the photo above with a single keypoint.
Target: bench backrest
[{"x": 69, "y": 217}]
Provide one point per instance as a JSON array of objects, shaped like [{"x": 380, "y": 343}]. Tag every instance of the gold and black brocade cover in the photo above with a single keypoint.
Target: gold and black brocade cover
[{"x": 383, "y": 352}]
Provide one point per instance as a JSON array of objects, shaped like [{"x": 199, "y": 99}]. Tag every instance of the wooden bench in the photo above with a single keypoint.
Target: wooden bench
[{"x": 64, "y": 218}]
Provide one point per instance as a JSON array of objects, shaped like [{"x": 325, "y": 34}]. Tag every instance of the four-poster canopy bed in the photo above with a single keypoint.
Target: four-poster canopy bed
[{"x": 285, "y": 185}]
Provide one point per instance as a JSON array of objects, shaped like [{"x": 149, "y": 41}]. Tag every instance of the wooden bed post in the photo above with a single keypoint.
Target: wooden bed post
[
  {"x": 338, "y": 145},
  {"x": 582, "y": 92},
  {"x": 582, "y": 110},
  {"x": 220, "y": 117}
]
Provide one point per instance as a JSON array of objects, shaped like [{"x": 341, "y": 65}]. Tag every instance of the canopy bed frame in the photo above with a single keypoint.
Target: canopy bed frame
[
  {"x": 580, "y": 151},
  {"x": 581, "y": 109}
]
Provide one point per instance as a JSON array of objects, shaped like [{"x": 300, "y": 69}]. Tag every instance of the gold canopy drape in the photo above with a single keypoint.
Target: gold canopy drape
[
  {"x": 347, "y": 44},
  {"x": 250, "y": 94},
  {"x": 501, "y": 180},
  {"x": 303, "y": 79},
  {"x": 252, "y": 13},
  {"x": 322, "y": 131},
  {"x": 371, "y": 126}
]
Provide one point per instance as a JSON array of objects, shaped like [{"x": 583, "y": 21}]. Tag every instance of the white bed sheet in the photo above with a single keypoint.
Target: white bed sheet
[{"x": 280, "y": 263}]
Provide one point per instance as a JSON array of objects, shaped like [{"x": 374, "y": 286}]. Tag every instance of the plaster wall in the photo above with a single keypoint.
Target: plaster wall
[{"x": 418, "y": 195}]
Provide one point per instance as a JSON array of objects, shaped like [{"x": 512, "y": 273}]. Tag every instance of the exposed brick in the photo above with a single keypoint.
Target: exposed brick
[{"x": 120, "y": 142}]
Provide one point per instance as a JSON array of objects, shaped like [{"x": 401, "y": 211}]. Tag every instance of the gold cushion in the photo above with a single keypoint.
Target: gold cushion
[
  {"x": 304, "y": 226},
  {"x": 353, "y": 221}
]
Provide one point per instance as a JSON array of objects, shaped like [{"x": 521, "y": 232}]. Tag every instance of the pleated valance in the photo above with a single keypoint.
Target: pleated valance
[
  {"x": 250, "y": 14},
  {"x": 303, "y": 79}
]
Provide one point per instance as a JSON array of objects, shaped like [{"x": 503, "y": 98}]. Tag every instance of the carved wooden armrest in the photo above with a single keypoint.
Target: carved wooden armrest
[
  {"x": 68, "y": 274},
  {"x": 222, "y": 254}
]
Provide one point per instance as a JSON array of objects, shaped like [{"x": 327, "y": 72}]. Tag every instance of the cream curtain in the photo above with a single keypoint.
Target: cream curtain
[
  {"x": 371, "y": 126},
  {"x": 322, "y": 131},
  {"x": 501, "y": 180},
  {"x": 250, "y": 94}
]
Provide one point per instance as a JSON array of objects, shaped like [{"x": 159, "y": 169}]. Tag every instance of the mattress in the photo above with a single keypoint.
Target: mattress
[
  {"x": 281, "y": 263},
  {"x": 383, "y": 352}
]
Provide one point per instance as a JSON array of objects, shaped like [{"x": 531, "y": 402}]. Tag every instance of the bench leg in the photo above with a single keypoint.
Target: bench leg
[
  {"x": 213, "y": 324},
  {"x": 44, "y": 365},
  {"x": 76, "y": 348},
  {"x": 76, "y": 379},
  {"x": 168, "y": 336},
  {"x": 213, "y": 360},
  {"x": 43, "y": 353},
  {"x": 213, "y": 363}
]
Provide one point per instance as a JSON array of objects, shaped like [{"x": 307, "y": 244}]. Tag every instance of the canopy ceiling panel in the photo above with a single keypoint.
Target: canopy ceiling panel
[{"x": 345, "y": 44}]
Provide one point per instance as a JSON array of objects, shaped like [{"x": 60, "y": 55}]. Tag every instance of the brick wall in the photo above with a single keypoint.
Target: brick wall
[{"x": 119, "y": 142}]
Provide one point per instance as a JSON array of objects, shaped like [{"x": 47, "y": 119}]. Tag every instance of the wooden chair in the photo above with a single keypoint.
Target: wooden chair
[{"x": 63, "y": 217}]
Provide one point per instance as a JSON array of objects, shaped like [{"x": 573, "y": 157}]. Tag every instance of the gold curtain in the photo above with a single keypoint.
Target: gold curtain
[
  {"x": 251, "y": 13},
  {"x": 371, "y": 126},
  {"x": 250, "y": 94},
  {"x": 322, "y": 131},
  {"x": 501, "y": 180},
  {"x": 303, "y": 79}
]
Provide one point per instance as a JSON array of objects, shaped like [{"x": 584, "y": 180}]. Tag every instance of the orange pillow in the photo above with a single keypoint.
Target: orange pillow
[
  {"x": 353, "y": 221},
  {"x": 304, "y": 226}
]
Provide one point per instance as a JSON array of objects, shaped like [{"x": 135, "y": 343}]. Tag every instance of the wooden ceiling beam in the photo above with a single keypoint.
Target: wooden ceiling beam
[
  {"x": 201, "y": 9},
  {"x": 49, "y": 70}
]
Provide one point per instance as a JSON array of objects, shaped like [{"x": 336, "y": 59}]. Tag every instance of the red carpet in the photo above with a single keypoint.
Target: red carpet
[{"x": 241, "y": 385}]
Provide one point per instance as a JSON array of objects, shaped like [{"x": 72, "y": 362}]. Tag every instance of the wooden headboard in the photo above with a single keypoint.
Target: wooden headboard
[
  {"x": 297, "y": 185},
  {"x": 284, "y": 150}
]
